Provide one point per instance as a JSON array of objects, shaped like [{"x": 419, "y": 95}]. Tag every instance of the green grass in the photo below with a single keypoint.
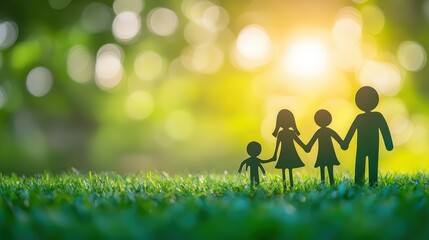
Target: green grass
[{"x": 157, "y": 206}]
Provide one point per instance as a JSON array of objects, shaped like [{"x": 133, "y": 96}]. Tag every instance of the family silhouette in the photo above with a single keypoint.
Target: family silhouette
[{"x": 367, "y": 125}]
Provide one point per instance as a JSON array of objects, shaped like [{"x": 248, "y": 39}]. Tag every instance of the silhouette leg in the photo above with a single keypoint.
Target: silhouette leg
[
  {"x": 360, "y": 169},
  {"x": 284, "y": 179},
  {"x": 290, "y": 178},
  {"x": 322, "y": 174},
  {"x": 257, "y": 179},
  {"x": 373, "y": 169},
  {"x": 331, "y": 174},
  {"x": 251, "y": 180}
]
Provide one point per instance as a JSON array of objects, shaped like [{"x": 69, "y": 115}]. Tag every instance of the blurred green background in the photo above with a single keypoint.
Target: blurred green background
[{"x": 183, "y": 86}]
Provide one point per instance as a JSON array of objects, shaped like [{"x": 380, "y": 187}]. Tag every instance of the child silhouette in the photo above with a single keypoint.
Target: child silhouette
[
  {"x": 254, "y": 149},
  {"x": 368, "y": 125},
  {"x": 326, "y": 156},
  {"x": 288, "y": 158}
]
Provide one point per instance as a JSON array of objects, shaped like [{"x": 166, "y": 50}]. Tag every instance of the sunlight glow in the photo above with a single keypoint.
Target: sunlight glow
[{"x": 306, "y": 58}]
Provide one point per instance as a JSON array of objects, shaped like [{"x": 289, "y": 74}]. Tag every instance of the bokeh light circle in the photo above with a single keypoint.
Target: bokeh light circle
[
  {"x": 139, "y": 105},
  {"x": 253, "y": 42},
  {"x": 39, "y": 81},
  {"x": 96, "y": 17},
  {"x": 80, "y": 64},
  {"x": 126, "y": 26},
  {"x": 3, "y": 97},
  {"x": 196, "y": 34},
  {"x": 108, "y": 67},
  {"x": 215, "y": 18},
  {"x": 384, "y": 77},
  {"x": 373, "y": 19},
  {"x": 412, "y": 56},
  {"x": 59, "y": 4},
  {"x": 162, "y": 21},
  {"x": 128, "y": 5},
  {"x": 347, "y": 33},
  {"x": 8, "y": 33},
  {"x": 205, "y": 59},
  {"x": 148, "y": 65}
]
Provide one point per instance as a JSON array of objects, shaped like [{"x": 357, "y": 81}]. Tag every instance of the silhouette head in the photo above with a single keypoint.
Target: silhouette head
[
  {"x": 285, "y": 120},
  {"x": 322, "y": 118},
  {"x": 366, "y": 98},
  {"x": 254, "y": 149}
]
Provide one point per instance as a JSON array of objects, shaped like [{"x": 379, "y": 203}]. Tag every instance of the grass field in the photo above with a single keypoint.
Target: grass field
[{"x": 157, "y": 206}]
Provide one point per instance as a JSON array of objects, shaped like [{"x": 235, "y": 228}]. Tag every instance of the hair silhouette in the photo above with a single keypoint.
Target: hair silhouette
[
  {"x": 368, "y": 125},
  {"x": 285, "y": 120}
]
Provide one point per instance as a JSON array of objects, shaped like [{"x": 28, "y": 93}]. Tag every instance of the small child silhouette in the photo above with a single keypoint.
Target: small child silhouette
[
  {"x": 326, "y": 156},
  {"x": 368, "y": 125},
  {"x": 253, "y": 149}
]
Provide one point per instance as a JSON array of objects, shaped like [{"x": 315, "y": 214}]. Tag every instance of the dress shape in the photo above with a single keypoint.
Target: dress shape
[
  {"x": 326, "y": 154},
  {"x": 288, "y": 157}
]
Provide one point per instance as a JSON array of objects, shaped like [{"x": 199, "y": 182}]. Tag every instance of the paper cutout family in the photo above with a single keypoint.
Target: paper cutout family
[{"x": 367, "y": 125}]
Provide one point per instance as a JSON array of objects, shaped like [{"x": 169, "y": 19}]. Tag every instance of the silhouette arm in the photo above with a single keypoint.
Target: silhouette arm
[
  {"x": 241, "y": 166},
  {"x": 385, "y": 133},
  {"x": 337, "y": 138},
  {"x": 311, "y": 142},
  {"x": 350, "y": 134},
  {"x": 262, "y": 168},
  {"x": 276, "y": 149},
  {"x": 300, "y": 143},
  {"x": 267, "y": 161}
]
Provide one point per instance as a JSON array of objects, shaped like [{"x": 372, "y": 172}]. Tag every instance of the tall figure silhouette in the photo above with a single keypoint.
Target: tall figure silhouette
[
  {"x": 326, "y": 156},
  {"x": 368, "y": 125},
  {"x": 288, "y": 158}
]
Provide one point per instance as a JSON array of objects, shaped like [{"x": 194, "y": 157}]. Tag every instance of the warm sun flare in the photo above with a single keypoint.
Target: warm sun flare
[{"x": 306, "y": 58}]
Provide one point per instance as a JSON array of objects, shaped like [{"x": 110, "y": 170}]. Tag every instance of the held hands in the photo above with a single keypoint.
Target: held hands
[
  {"x": 389, "y": 147},
  {"x": 307, "y": 148},
  {"x": 344, "y": 145}
]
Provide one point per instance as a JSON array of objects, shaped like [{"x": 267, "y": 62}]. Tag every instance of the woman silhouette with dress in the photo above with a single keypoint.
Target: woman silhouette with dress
[
  {"x": 326, "y": 156},
  {"x": 288, "y": 158}
]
